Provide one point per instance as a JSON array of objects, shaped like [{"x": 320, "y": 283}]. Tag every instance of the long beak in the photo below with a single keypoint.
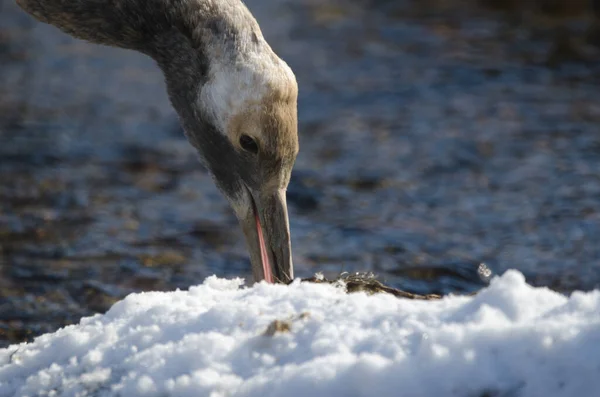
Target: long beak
[{"x": 267, "y": 231}]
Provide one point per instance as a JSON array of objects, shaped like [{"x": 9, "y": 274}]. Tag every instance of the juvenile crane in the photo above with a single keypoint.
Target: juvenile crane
[{"x": 236, "y": 100}]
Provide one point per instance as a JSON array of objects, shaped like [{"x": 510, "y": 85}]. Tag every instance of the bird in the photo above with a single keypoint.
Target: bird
[{"x": 235, "y": 98}]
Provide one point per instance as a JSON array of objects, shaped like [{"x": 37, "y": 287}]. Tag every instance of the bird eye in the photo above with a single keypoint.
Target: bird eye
[{"x": 248, "y": 144}]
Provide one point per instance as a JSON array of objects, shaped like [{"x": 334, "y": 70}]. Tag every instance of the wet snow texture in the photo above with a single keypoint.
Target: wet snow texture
[{"x": 509, "y": 340}]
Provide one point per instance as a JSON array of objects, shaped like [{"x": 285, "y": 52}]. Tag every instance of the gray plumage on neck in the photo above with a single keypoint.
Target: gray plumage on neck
[
  {"x": 225, "y": 82},
  {"x": 135, "y": 24}
]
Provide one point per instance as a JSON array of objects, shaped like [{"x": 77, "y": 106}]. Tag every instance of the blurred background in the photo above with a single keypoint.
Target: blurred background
[{"x": 435, "y": 135}]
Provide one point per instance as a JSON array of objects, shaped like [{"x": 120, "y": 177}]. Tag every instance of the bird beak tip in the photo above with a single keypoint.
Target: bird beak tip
[{"x": 266, "y": 228}]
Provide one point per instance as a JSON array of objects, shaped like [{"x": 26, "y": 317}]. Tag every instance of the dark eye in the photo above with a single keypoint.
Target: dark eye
[{"x": 248, "y": 144}]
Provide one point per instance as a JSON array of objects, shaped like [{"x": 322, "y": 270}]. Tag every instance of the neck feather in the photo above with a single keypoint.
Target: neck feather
[
  {"x": 159, "y": 28},
  {"x": 183, "y": 36}
]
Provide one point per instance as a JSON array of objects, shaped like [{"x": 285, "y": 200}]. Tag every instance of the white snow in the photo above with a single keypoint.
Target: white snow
[{"x": 509, "y": 340}]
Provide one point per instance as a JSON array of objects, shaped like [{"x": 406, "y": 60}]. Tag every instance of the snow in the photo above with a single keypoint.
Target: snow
[{"x": 222, "y": 339}]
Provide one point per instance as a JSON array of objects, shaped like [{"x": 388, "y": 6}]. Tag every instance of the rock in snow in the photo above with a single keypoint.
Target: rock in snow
[{"x": 223, "y": 339}]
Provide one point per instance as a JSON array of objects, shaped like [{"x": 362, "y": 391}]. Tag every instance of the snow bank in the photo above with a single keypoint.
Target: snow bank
[{"x": 220, "y": 339}]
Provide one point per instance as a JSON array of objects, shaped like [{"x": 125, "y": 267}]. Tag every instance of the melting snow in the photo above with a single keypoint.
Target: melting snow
[{"x": 223, "y": 339}]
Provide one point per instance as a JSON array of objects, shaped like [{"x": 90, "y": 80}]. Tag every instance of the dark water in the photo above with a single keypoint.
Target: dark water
[{"x": 434, "y": 137}]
